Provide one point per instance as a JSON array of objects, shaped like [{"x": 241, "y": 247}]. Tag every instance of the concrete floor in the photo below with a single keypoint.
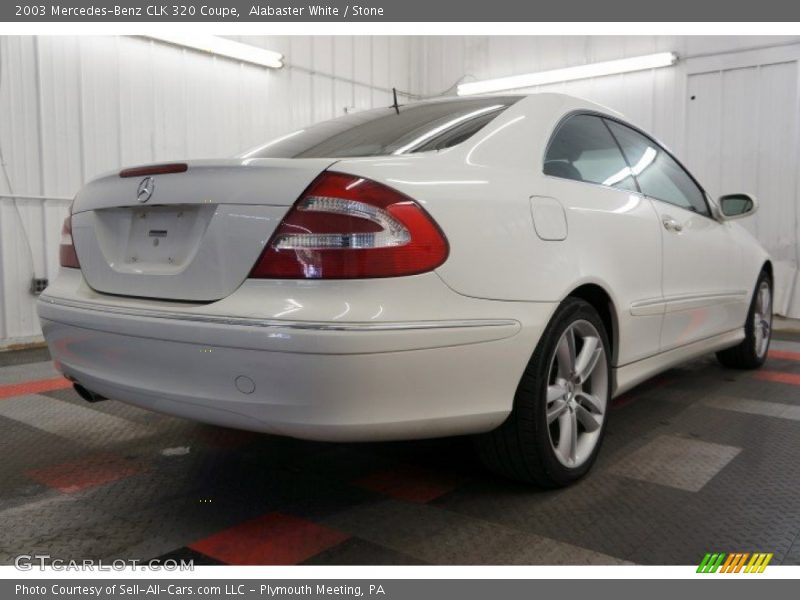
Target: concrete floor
[{"x": 700, "y": 459}]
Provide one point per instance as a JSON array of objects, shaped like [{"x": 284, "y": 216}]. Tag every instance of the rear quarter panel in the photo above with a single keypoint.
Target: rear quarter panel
[{"x": 480, "y": 194}]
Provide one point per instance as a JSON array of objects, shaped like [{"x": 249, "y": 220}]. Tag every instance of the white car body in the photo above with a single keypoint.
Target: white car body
[{"x": 435, "y": 354}]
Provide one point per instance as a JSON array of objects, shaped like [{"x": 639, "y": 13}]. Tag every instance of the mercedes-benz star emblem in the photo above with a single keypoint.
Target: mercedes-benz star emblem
[{"x": 145, "y": 189}]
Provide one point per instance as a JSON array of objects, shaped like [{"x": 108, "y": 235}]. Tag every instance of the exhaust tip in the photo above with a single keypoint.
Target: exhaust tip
[{"x": 88, "y": 395}]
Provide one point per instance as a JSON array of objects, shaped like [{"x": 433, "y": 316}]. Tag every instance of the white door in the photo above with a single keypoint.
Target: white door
[
  {"x": 698, "y": 261},
  {"x": 698, "y": 252}
]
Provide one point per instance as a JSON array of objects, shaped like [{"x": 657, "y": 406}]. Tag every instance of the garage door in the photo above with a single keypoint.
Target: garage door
[{"x": 742, "y": 136}]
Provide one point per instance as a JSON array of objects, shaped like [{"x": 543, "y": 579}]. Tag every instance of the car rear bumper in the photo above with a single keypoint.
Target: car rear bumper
[{"x": 317, "y": 379}]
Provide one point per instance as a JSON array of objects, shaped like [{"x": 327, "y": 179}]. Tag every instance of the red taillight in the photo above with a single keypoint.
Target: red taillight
[
  {"x": 347, "y": 227},
  {"x": 66, "y": 251},
  {"x": 154, "y": 170}
]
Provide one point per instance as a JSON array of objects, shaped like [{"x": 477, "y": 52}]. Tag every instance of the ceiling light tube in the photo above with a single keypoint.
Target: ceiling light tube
[
  {"x": 219, "y": 46},
  {"x": 611, "y": 67}
]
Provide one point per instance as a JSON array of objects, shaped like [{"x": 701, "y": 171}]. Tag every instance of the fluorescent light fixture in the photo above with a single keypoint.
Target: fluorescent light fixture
[
  {"x": 213, "y": 44},
  {"x": 611, "y": 67}
]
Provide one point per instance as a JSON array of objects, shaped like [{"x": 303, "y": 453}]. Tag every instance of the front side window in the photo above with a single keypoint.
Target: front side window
[
  {"x": 419, "y": 127},
  {"x": 583, "y": 149},
  {"x": 659, "y": 175}
]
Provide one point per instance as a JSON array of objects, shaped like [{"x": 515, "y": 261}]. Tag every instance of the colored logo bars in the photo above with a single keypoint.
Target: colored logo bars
[{"x": 734, "y": 562}]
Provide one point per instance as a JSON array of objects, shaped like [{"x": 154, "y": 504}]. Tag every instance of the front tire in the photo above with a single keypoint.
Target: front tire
[
  {"x": 554, "y": 432},
  {"x": 752, "y": 351}
]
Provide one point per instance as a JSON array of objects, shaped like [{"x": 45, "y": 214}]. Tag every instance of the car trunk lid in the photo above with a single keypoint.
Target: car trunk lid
[{"x": 190, "y": 235}]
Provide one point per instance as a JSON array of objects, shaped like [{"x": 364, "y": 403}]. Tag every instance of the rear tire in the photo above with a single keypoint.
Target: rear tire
[
  {"x": 554, "y": 432},
  {"x": 752, "y": 351}
]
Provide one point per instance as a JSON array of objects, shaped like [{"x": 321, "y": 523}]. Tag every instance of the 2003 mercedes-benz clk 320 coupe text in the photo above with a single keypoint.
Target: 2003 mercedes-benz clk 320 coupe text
[{"x": 499, "y": 266}]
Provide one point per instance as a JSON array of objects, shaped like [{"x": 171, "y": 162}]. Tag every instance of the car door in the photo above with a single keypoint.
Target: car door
[
  {"x": 699, "y": 254},
  {"x": 613, "y": 230}
]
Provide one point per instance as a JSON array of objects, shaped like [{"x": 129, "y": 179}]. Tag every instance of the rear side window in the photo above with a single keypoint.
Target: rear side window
[
  {"x": 583, "y": 149},
  {"x": 659, "y": 175},
  {"x": 411, "y": 128}
]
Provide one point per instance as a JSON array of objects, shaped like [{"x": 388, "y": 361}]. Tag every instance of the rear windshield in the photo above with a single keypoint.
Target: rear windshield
[{"x": 383, "y": 131}]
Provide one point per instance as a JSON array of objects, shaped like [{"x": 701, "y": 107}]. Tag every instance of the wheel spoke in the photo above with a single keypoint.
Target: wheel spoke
[
  {"x": 589, "y": 421},
  {"x": 565, "y": 432},
  {"x": 566, "y": 354},
  {"x": 588, "y": 357},
  {"x": 556, "y": 410},
  {"x": 590, "y": 402},
  {"x": 573, "y": 438}
]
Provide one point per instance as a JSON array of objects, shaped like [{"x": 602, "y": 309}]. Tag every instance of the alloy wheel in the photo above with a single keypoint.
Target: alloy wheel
[
  {"x": 762, "y": 318},
  {"x": 577, "y": 393}
]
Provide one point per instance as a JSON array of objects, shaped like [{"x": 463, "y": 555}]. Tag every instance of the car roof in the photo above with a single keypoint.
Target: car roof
[{"x": 569, "y": 101}]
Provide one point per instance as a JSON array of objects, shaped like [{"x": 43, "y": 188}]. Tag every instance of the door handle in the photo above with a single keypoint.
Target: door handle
[{"x": 671, "y": 224}]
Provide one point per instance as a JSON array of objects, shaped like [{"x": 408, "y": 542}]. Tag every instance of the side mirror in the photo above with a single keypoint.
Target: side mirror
[{"x": 736, "y": 206}]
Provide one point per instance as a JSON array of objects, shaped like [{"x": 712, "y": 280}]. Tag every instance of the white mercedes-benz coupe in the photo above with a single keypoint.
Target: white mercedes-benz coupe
[{"x": 500, "y": 266}]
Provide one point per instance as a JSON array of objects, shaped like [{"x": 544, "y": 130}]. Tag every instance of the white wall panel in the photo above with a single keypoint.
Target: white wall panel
[
  {"x": 19, "y": 119},
  {"x": 380, "y": 71},
  {"x": 344, "y": 69},
  {"x": 777, "y": 177},
  {"x": 73, "y": 107}
]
